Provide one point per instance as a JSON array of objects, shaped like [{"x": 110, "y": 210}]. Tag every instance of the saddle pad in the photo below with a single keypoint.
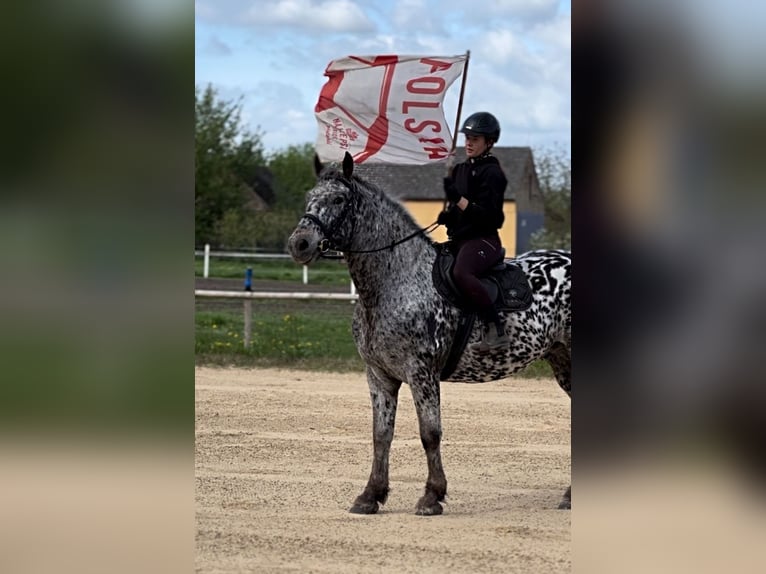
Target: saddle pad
[{"x": 515, "y": 294}]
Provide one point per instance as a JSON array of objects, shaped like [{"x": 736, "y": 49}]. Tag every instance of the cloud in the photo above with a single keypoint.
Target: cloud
[
  {"x": 517, "y": 14},
  {"x": 283, "y": 113},
  {"x": 205, "y": 11},
  {"x": 520, "y": 57},
  {"x": 503, "y": 46},
  {"x": 416, "y": 15},
  {"x": 523, "y": 12},
  {"x": 556, "y": 33},
  {"x": 330, "y": 16},
  {"x": 216, "y": 47},
  {"x": 521, "y": 107},
  {"x": 538, "y": 58}
]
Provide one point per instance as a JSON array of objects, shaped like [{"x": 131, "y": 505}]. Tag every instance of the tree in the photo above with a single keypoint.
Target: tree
[
  {"x": 554, "y": 174},
  {"x": 229, "y": 163},
  {"x": 293, "y": 170}
]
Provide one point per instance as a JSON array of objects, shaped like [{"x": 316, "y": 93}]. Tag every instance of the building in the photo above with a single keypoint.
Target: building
[{"x": 419, "y": 188}]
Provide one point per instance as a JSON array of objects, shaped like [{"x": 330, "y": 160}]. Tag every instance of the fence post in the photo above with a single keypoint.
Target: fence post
[
  {"x": 248, "y": 322},
  {"x": 206, "y": 262},
  {"x": 305, "y": 274}
]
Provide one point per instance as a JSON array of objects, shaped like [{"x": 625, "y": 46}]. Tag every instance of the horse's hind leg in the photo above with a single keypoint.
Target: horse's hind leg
[
  {"x": 425, "y": 393},
  {"x": 384, "y": 393},
  {"x": 566, "y": 500},
  {"x": 560, "y": 359}
]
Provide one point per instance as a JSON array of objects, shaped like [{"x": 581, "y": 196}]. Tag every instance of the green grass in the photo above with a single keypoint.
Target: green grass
[
  {"x": 537, "y": 370},
  {"x": 312, "y": 335},
  {"x": 321, "y": 272},
  {"x": 280, "y": 338}
]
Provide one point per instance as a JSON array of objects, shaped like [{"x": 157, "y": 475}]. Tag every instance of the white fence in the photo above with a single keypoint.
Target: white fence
[
  {"x": 248, "y": 296},
  {"x": 206, "y": 254}
]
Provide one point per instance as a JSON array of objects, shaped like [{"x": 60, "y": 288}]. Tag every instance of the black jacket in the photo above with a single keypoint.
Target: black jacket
[{"x": 482, "y": 182}]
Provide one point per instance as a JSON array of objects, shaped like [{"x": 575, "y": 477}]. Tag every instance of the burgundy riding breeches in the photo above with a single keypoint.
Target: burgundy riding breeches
[{"x": 474, "y": 258}]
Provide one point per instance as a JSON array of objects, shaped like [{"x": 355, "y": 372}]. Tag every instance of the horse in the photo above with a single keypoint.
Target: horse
[{"x": 403, "y": 329}]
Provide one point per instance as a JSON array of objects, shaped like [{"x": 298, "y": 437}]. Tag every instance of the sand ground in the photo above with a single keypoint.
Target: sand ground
[{"x": 281, "y": 455}]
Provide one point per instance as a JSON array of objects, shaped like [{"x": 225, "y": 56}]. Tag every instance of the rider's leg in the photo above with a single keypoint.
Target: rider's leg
[{"x": 475, "y": 258}]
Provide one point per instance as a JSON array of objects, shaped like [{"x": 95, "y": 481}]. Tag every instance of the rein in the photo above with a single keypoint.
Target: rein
[
  {"x": 325, "y": 245},
  {"x": 329, "y": 243}
]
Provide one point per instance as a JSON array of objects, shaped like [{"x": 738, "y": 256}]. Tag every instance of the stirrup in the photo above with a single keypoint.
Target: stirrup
[{"x": 491, "y": 341}]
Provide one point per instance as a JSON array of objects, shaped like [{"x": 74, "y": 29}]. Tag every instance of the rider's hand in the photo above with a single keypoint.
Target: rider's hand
[
  {"x": 450, "y": 190},
  {"x": 445, "y": 218}
]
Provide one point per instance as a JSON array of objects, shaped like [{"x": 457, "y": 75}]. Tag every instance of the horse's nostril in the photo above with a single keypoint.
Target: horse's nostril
[{"x": 303, "y": 245}]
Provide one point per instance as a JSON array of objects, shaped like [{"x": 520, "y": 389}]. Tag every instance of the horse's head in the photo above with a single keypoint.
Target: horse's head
[{"x": 329, "y": 219}]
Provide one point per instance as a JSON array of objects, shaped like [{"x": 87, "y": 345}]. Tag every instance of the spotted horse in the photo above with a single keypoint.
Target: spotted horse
[{"x": 404, "y": 329}]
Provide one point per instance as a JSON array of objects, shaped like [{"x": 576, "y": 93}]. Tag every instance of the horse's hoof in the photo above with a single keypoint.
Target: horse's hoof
[
  {"x": 432, "y": 510},
  {"x": 364, "y": 508}
]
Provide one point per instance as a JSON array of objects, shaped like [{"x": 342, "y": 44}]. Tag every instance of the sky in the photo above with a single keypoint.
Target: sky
[{"x": 272, "y": 54}]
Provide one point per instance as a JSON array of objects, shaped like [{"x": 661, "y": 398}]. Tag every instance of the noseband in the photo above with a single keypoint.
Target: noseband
[{"x": 324, "y": 245}]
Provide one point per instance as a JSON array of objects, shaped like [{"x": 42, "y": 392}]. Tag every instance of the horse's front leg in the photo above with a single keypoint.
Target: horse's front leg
[
  {"x": 560, "y": 359},
  {"x": 425, "y": 393},
  {"x": 384, "y": 393}
]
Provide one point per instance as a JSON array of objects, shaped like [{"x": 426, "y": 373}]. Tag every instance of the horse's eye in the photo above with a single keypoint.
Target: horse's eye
[{"x": 338, "y": 200}]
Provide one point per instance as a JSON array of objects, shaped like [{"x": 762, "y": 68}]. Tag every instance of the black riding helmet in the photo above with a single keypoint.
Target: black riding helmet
[{"x": 482, "y": 124}]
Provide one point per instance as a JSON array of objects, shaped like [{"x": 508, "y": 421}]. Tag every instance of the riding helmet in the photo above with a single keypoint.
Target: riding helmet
[{"x": 483, "y": 124}]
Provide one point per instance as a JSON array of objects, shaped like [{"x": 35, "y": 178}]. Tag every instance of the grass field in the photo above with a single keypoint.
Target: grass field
[
  {"x": 309, "y": 334},
  {"x": 314, "y": 335}
]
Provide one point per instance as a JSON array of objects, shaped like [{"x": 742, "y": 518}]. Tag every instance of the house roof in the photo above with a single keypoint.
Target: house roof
[{"x": 424, "y": 182}]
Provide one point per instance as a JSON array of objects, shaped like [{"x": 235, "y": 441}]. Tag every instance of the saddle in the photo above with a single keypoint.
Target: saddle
[{"x": 506, "y": 283}]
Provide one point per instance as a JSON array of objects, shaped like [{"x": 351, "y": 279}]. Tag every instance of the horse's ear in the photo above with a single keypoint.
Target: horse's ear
[
  {"x": 318, "y": 167},
  {"x": 348, "y": 165}
]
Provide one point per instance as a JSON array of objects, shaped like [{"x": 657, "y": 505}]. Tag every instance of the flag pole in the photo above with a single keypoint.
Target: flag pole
[{"x": 451, "y": 158}]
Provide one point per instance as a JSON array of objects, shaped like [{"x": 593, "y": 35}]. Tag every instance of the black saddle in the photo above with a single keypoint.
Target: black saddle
[{"x": 506, "y": 283}]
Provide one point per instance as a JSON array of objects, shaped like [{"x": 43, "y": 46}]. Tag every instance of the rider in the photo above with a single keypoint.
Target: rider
[{"x": 475, "y": 192}]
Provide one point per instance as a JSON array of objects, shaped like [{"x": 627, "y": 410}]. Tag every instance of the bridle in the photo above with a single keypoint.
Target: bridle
[{"x": 330, "y": 243}]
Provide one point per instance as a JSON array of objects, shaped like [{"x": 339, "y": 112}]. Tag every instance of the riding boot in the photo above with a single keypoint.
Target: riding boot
[{"x": 494, "y": 336}]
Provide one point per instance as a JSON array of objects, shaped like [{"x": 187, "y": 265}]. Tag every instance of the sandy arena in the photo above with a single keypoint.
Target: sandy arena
[{"x": 281, "y": 455}]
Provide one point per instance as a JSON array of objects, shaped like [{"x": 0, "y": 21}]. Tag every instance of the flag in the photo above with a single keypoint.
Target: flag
[{"x": 386, "y": 109}]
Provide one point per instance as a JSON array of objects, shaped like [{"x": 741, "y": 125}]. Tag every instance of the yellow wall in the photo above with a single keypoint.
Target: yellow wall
[{"x": 426, "y": 212}]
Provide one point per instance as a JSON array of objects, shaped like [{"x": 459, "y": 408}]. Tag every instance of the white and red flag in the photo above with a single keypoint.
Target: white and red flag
[{"x": 386, "y": 109}]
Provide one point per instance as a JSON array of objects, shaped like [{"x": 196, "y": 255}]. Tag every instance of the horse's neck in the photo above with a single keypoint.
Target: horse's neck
[{"x": 388, "y": 270}]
